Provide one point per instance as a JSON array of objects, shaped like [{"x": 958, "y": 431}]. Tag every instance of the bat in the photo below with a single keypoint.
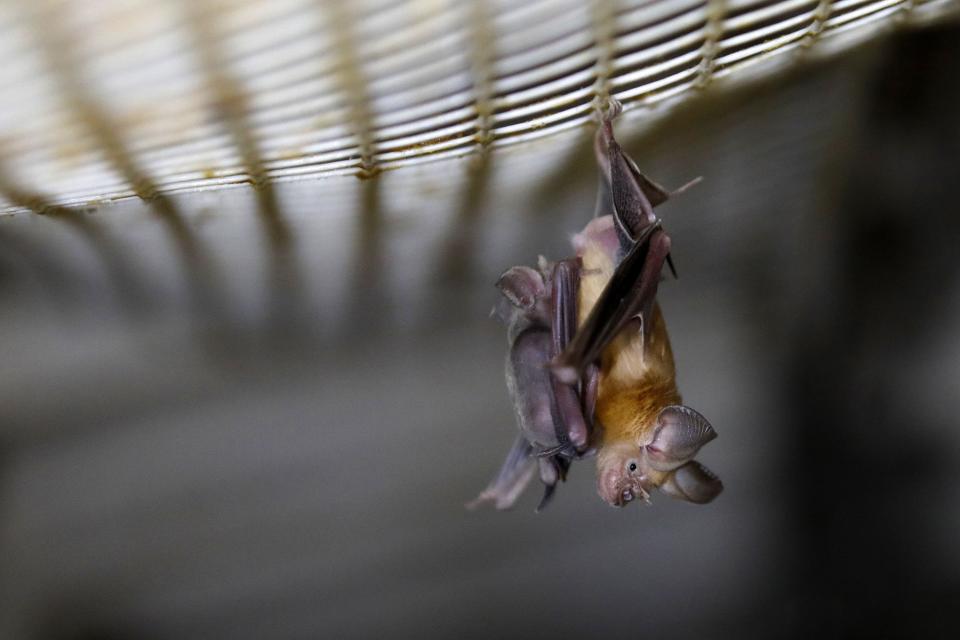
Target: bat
[{"x": 589, "y": 366}]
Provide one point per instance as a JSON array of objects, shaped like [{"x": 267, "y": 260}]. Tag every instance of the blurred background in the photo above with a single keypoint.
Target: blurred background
[{"x": 247, "y": 373}]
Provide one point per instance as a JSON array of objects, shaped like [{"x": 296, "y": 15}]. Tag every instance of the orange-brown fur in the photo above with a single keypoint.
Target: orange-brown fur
[{"x": 637, "y": 380}]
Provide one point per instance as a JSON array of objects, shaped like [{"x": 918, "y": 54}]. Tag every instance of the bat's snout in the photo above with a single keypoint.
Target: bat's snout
[{"x": 618, "y": 489}]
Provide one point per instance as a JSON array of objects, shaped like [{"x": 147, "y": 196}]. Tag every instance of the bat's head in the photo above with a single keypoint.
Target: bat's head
[
  {"x": 622, "y": 475},
  {"x": 629, "y": 470}
]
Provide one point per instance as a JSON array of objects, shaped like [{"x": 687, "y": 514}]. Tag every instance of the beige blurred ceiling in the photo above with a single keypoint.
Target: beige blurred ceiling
[{"x": 111, "y": 99}]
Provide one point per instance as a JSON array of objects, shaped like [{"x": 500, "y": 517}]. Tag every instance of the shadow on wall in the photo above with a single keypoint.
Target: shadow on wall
[{"x": 871, "y": 381}]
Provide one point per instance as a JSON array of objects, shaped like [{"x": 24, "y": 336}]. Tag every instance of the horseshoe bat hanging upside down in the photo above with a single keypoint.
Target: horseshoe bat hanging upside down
[{"x": 589, "y": 366}]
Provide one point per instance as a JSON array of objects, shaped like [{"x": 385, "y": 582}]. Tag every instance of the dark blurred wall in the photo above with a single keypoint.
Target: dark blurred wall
[{"x": 871, "y": 385}]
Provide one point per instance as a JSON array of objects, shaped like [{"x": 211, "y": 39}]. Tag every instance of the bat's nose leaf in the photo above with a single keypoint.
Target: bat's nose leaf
[
  {"x": 681, "y": 432},
  {"x": 693, "y": 482}
]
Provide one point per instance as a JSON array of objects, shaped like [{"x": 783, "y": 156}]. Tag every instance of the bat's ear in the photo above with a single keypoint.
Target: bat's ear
[
  {"x": 522, "y": 286},
  {"x": 692, "y": 482},
  {"x": 680, "y": 433}
]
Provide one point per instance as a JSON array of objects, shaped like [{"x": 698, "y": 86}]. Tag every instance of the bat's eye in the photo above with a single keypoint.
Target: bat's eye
[{"x": 632, "y": 466}]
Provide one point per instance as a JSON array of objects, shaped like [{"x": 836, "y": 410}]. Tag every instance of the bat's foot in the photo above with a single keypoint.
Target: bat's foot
[
  {"x": 548, "y": 492},
  {"x": 611, "y": 110}
]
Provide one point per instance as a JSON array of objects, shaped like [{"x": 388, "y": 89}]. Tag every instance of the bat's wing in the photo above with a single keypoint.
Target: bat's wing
[
  {"x": 568, "y": 407},
  {"x": 633, "y": 286},
  {"x": 626, "y": 192},
  {"x": 629, "y": 294},
  {"x": 553, "y": 429},
  {"x": 511, "y": 480},
  {"x": 610, "y": 157}
]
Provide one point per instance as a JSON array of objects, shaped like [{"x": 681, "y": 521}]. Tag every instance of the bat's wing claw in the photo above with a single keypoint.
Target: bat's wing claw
[
  {"x": 552, "y": 471},
  {"x": 673, "y": 267},
  {"x": 548, "y": 492}
]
